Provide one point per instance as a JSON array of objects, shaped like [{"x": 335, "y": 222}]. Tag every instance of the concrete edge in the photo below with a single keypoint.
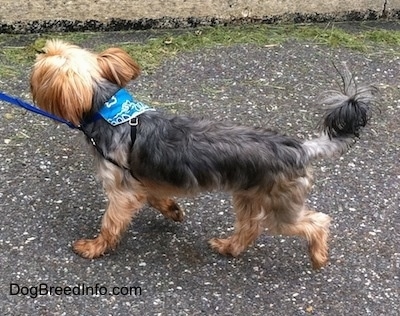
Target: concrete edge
[{"x": 64, "y": 25}]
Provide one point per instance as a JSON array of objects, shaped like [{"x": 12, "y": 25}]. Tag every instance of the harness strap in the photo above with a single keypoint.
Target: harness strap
[{"x": 109, "y": 159}]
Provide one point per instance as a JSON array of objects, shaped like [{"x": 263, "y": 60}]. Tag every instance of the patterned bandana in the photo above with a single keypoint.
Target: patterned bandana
[{"x": 122, "y": 107}]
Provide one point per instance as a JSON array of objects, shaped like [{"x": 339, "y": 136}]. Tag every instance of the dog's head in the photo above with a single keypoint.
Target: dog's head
[{"x": 65, "y": 76}]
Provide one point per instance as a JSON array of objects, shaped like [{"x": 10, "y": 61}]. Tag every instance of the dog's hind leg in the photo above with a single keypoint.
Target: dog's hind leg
[
  {"x": 250, "y": 217},
  {"x": 311, "y": 225},
  {"x": 122, "y": 206},
  {"x": 167, "y": 206},
  {"x": 290, "y": 217}
]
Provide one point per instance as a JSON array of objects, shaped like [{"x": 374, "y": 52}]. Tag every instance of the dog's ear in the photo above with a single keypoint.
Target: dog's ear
[
  {"x": 62, "y": 92},
  {"x": 117, "y": 66}
]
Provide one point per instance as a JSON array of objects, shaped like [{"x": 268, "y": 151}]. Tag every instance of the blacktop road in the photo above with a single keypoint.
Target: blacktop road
[{"x": 49, "y": 197}]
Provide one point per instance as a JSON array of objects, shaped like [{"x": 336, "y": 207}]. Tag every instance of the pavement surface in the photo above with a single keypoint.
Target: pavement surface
[{"x": 49, "y": 197}]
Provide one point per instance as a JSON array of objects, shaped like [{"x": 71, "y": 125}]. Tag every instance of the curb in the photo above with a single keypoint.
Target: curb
[{"x": 115, "y": 24}]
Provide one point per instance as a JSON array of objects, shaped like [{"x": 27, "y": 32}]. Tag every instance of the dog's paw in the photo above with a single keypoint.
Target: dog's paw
[
  {"x": 317, "y": 264},
  {"x": 223, "y": 246},
  {"x": 175, "y": 212},
  {"x": 89, "y": 248},
  {"x": 319, "y": 253},
  {"x": 168, "y": 207}
]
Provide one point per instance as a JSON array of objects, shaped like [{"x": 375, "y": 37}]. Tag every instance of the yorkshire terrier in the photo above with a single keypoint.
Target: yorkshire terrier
[{"x": 145, "y": 156}]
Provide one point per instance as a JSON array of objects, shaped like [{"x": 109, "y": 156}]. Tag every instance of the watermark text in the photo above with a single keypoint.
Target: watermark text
[{"x": 44, "y": 289}]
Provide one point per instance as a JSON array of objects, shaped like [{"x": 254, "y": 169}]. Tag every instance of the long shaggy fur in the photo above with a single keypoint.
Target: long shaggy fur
[
  {"x": 348, "y": 110},
  {"x": 267, "y": 173}
]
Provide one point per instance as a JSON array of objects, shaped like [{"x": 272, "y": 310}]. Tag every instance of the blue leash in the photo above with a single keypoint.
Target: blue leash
[{"x": 34, "y": 109}]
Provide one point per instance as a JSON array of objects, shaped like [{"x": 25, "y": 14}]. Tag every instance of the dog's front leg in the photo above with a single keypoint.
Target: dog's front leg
[
  {"x": 125, "y": 200},
  {"x": 167, "y": 206},
  {"x": 250, "y": 216}
]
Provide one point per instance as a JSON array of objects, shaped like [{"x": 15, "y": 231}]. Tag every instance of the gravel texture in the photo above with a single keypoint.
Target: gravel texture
[{"x": 49, "y": 197}]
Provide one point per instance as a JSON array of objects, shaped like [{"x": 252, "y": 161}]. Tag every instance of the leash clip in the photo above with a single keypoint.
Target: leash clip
[
  {"x": 133, "y": 121},
  {"x": 93, "y": 141}
]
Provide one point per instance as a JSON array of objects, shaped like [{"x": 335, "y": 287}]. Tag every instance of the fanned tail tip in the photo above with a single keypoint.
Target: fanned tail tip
[{"x": 348, "y": 110}]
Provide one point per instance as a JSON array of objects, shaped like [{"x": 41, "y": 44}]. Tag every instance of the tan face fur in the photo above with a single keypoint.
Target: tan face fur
[{"x": 64, "y": 76}]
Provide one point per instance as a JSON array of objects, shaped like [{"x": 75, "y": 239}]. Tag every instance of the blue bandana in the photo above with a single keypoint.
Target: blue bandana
[{"x": 122, "y": 107}]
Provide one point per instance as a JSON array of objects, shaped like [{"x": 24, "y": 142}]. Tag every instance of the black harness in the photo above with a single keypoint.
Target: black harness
[{"x": 109, "y": 159}]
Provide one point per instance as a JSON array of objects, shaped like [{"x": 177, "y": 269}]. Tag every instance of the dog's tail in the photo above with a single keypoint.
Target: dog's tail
[{"x": 348, "y": 111}]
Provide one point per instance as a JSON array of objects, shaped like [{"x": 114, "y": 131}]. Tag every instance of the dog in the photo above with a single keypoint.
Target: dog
[{"x": 146, "y": 156}]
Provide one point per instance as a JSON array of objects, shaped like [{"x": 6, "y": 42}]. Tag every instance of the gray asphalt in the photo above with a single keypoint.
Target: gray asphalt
[{"x": 49, "y": 197}]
